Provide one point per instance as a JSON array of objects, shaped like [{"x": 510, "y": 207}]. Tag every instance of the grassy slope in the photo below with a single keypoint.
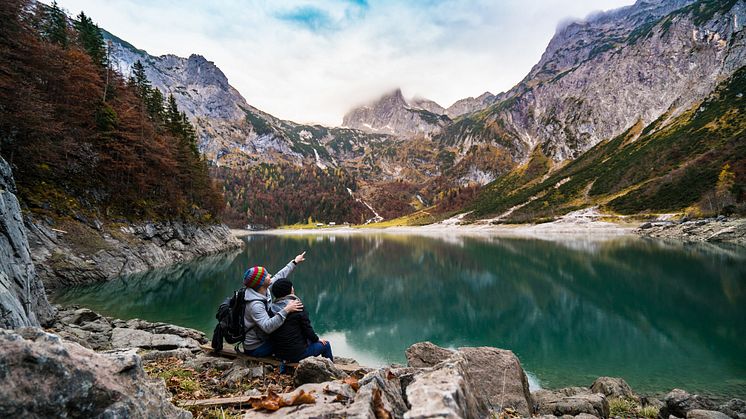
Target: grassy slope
[{"x": 655, "y": 169}]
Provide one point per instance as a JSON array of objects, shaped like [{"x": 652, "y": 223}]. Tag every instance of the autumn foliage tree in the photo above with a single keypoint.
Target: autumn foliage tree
[
  {"x": 82, "y": 139},
  {"x": 281, "y": 194}
]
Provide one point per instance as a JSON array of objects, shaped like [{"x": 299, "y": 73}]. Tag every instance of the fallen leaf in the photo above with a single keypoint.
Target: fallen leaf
[
  {"x": 302, "y": 398},
  {"x": 352, "y": 382},
  {"x": 378, "y": 408},
  {"x": 272, "y": 401}
]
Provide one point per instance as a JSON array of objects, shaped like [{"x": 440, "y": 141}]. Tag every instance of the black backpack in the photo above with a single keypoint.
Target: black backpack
[{"x": 230, "y": 317}]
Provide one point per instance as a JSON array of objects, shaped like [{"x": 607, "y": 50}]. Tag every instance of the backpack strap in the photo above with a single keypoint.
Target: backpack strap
[{"x": 266, "y": 308}]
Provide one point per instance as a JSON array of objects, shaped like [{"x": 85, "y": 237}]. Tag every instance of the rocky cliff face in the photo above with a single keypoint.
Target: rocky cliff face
[
  {"x": 89, "y": 255},
  {"x": 220, "y": 114},
  {"x": 470, "y": 104},
  {"x": 428, "y": 105},
  {"x": 232, "y": 132},
  {"x": 23, "y": 301},
  {"x": 599, "y": 77},
  {"x": 393, "y": 115}
]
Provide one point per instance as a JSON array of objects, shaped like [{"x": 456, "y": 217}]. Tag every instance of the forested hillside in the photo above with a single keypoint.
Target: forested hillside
[
  {"x": 82, "y": 140},
  {"x": 281, "y": 194}
]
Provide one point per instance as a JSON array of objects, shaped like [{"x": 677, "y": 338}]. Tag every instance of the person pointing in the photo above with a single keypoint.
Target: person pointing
[{"x": 258, "y": 320}]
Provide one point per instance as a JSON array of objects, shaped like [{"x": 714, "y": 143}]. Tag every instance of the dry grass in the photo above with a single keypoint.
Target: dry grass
[{"x": 188, "y": 384}]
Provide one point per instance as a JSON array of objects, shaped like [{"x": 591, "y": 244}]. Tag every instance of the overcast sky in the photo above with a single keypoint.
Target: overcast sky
[{"x": 311, "y": 61}]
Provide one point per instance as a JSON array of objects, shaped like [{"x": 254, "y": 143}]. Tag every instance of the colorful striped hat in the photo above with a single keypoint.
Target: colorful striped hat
[{"x": 255, "y": 276}]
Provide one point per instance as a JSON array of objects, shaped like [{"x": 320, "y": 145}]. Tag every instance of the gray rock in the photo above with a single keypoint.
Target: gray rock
[
  {"x": 679, "y": 402},
  {"x": 735, "y": 408},
  {"x": 85, "y": 338},
  {"x": 203, "y": 362},
  {"x": 340, "y": 360},
  {"x": 444, "y": 392},
  {"x": 705, "y": 414},
  {"x": 316, "y": 370},
  {"x": 180, "y": 353},
  {"x": 645, "y": 226},
  {"x": 23, "y": 301},
  {"x": 426, "y": 354},
  {"x": 238, "y": 374},
  {"x": 43, "y": 376},
  {"x": 387, "y": 384},
  {"x": 613, "y": 388},
  {"x": 570, "y": 402},
  {"x": 497, "y": 376},
  {"x": 77, "y": 316},
  {"x": 128, "y": 338}
]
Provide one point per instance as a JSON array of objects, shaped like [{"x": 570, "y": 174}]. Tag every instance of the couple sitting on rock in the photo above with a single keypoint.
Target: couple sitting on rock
[{"x": 280, "y": 328}]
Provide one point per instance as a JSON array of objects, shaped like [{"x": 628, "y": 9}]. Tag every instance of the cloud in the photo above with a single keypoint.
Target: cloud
[{"x": 311, "y": 61}]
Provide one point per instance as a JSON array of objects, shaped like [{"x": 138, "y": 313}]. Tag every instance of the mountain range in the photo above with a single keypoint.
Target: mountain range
[{"x": 628, "y": 73}]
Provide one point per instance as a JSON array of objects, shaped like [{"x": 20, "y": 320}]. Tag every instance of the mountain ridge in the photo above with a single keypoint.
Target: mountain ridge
[{"x": 597, "y": 78}]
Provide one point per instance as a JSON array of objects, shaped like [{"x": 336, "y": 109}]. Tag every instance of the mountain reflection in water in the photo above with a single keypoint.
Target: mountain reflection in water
[{"x": 661, "y": 315}]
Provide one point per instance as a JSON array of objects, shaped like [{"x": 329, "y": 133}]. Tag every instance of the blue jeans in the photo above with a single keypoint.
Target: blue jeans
[
  {"x": 317, "y": 348},
  {"x": 263, "y": 351}
]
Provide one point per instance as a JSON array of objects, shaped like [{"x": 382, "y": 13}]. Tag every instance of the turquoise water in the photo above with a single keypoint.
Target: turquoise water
[{"x": 660, "y": 315}]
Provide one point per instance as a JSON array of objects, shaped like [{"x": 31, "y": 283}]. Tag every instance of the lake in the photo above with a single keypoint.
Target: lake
[{"x": 661, "y": 315}]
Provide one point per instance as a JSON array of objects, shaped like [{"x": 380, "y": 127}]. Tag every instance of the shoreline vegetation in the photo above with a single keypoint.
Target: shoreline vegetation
[{"x": 584, "y": 223}]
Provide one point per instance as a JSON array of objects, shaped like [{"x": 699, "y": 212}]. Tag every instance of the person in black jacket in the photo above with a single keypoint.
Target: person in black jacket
[{"x": 295, "y": 339}]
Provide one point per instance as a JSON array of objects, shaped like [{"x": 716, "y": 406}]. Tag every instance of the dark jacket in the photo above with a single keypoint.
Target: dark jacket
[{"x": 290, "y": 340}]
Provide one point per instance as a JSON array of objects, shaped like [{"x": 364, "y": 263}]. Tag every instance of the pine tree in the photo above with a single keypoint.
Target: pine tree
[
  {"x": 189, "y": 135},
  {"x": 173, "y": 117},
  {"x": 90, "y": 38},
  {"x": 154, "y": 103},
  {"x": 140, "y": 80},
  {"x": 55, "y": 26}
]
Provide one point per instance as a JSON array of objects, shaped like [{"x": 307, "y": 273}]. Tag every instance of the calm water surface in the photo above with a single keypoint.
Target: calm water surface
[{"x": 660, "y": 315}]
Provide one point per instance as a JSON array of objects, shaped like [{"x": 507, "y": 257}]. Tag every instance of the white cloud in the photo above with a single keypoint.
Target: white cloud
[{"x": 311, "y": 61}]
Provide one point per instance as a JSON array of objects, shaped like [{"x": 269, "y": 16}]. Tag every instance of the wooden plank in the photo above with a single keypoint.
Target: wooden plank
[
  {"x": 229, "y": 352},
  {"x": 219, "y": 401}
]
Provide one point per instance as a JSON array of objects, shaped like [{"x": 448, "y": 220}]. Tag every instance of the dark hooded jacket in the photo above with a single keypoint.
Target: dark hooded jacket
[{"x": 292, "y": 338}]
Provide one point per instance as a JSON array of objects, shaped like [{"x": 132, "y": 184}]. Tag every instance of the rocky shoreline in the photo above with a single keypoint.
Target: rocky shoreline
[
  {"x": 99, "y": 363},
  {"x": 88, "y": 255},
  {"x": 710, "y": 230}
]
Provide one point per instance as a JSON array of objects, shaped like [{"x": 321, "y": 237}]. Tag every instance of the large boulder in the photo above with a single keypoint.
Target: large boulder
[
  {"x": 43, "y": 376},
  {"x": 497, "y": 376},
  {"x": 135, "y": 338},
  {"x": 612, "y": 387},
  {"x": 23, "y": 301},
  {"x": 426, "y": 354},
  {"x": 316, "y": 370},
  {"x": 494, "y": 375},
  {"x": 445, "y": 391},
  {"x": 571, "y": 401},
  {"x": 679, "y": 402}
]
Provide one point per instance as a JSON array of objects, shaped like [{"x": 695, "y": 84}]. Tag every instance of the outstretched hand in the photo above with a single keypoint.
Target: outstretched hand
[{"x": 300, "y": 258}]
